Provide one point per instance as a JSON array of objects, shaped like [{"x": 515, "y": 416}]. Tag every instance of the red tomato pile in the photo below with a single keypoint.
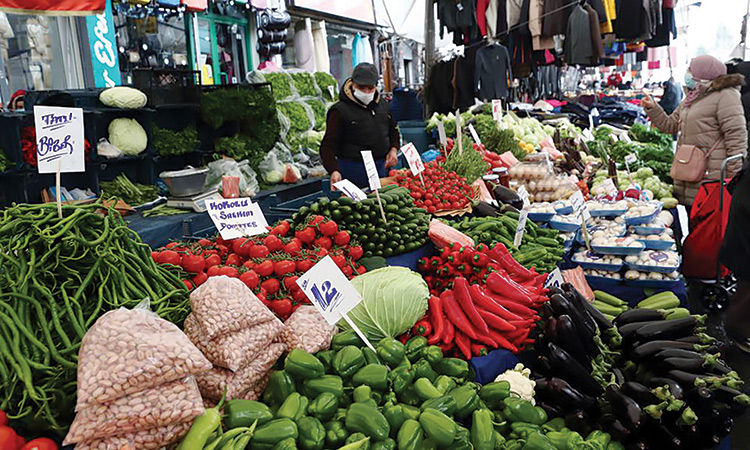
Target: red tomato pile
[
  {"x": 269, "y": 264},
  {"x": 442, "y": 191},
  {"x": 9, "y": 440}
]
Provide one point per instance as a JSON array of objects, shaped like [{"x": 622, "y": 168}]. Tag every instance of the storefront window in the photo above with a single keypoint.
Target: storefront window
[{"x": 222, "y": 46}]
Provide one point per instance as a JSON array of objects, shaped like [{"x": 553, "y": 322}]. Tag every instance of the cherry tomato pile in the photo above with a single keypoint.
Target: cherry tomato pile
[
  {"x": 269, "y": 264},
  {"x": 442, "y": 191}
]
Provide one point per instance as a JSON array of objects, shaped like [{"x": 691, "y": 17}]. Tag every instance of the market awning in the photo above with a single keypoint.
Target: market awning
[{"x": 53, "y": 7}]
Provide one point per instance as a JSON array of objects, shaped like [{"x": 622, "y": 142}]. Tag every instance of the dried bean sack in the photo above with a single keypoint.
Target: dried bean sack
[
  {"x": 307, "y": 329},
  {"x": 222, "y": 305},
  {"x": 150, "y": 439},
  {"x": 213, "y": 382},
  {"x": 171, "y": 403},
  {"x": 127, "y": 351},
  {"x": 236, "y": 349}
]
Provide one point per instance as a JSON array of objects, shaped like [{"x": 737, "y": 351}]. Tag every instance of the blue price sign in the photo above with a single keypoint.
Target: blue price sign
[{"x": 329, "y": 290}]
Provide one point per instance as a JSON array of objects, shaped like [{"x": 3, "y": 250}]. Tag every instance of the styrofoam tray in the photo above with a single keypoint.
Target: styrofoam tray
[
  {"x": 643, "y": 219},
  {"x": 622, "y": 251},
  {"x": 541, "y": 217},
  {"x": 607, "y": 213},
  {"x": 648, "y": 229},
  {"x": 650, "y": 284},
  {"x": 562, "y": 209},
  {"x": 564, "y": 226},
  {"x": 595, "y": 265},
  {"x": 652, "y": 244},
  {"x": 660, "y": 269}
]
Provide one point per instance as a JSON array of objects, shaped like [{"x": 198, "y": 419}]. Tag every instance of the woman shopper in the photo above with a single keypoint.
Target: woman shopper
[{"x": 710, "y": 118}]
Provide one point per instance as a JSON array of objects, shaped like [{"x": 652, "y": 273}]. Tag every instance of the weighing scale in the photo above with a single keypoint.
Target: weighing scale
[{"x": 196, "y": 202}]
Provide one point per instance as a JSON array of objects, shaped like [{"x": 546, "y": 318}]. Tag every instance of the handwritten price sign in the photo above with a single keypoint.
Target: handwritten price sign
[
  {"x": 236, "y": 217},
  {"x": 59, "y": 139},
  {"x": 328, "y": 289},
  {"x": 413, "y": 158}
]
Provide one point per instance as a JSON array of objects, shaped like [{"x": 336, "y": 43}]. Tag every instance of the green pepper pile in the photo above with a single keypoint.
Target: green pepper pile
[
  {"x": 405, "y": 230},
  {"x": 397, "y": 396},
  {"x": 540, "y": 247},
  {"x": 58, "y": 276}
]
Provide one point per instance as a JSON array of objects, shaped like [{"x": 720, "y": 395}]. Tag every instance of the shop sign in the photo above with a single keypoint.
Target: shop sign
[
  {"x": 81, "y": 7},
  {"x": 101, "y": 30},
  {"x": 59, "y": 139},
  {"x": 236, "y": 217}
]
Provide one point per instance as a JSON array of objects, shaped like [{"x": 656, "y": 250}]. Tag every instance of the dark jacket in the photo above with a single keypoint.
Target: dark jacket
[
  {"x": 556, "y": 22},
  {"x": 352, "y": 127},
  {"x": 633, "y": 20},
  {"x": 439, "y": 88},
  {"x": 671, "y": 98},
  {"x": 492, "y": 73},
  {"x": 579, "y": 49}
]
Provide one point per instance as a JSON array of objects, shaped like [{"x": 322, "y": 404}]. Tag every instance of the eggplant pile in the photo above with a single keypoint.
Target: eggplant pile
[{"x": 649, "y": 382}]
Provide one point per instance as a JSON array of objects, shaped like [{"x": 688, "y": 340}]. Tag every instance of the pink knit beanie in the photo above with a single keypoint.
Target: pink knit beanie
[{"x": 706, "y": 68}]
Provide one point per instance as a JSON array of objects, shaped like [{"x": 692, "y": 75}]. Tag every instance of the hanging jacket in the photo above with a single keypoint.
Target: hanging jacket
[
  {"x": 671, "y": 98},
  {"x": 596, "y": 36},
  {"x": 482, "y": 6},
  {"x": 514, "y": 12},
  {"x": 519, "y": 43},
  {"x": 439, "y": 87},
  {"x": 579, "y": 49},
  {"x": 633, "y": 20},
  {"x": 556, "y": 22},
  {"x": 492, "y": 72},
  {"x": 463, "y": 79},
  {"x": 715, "y": 116},
  {"x": 538, "y": 41}
]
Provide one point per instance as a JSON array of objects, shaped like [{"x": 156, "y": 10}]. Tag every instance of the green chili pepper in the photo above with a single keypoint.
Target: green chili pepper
[
  {"x": 243, "y": 413},
  {"x": 312, "y": 434},
  {"x": 366, "y": 419},
  {"x": 326, "y": 357},
  {"x": 482, "y": 431},
  {"x": 433, "y": 354},
  {"x": 294, "y": 407},
  {"x": 286, "y": 444},
  {"x": 598, "y": 439},
  {"x": 493, "y": 393},
  {"x": 556, "y": 424},
  {"x": 202, "y": 428},
  {"x": 361, "y": 438},
  {"x": 614, "y": 445},
  {"x": 411, "y": 412},
  {"x": 462, "y": 440},
  {"x": 523, "y": 429},
  {"x": 565, "y": 440},
  {"x": 275, "y": 431},
  {"x": 414, "y": 347},
  {"x": 324, "y": 406},
  {"x": 301, "y": 364},
  {"x": 348, "y": 361},
  {"x": 409, "y": 396},
  {"x": 422, "y": 369},
  {"x": 513, "y": 445},
  {"x": 386, "y": 444},
  {"x": 444, "y": 384},
  {"x": 466, "y": 399},
  {"x": 410, "y": 436},
  {"x": 373, "y": 375},
  {"x": 341, "y": 340},
  {"x": 362, "y": 394},
  {"x": 335, "y": 433},
  {"x": 499, "y": 440},
  {"x": 438, "y": 427},
  {"x": 445, "y": 404},
  {"x": 538, "y": 441},
  {"x": 391, "y": 351},
  {"x": 362, "y": 444}
]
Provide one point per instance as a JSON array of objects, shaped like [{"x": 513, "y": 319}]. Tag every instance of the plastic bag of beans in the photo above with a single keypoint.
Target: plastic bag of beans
[
  {"x": 175, "y": 402},
  {"x": 149, "y": 439},
  {"x": 127, "y": 351},
  {"x": 213, "y": 382},
  {"x": 222, "y": 305},
  {"x": 307, "y": 329},
  {"x": 233, "y": 350}
]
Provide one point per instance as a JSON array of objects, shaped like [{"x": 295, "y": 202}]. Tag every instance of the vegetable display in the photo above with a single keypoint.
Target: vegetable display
[
  {"x": 326, "y": 82},
  {"x": 269, "y": 264},
  {"x": 281, "y": 84},
  {"x": 405, "y": 229},
  {"x": 134, "y": 194},
  {"x": 58, "y": 277},
  {"x": 170, "y": 142},
  {"x": 540, "y": 247},
  {"x": 651, "y": 382},
  {"x": 305, "y": 84},
  {"x": 468, "y": 164},
  {"x": 442, "y": 190}
]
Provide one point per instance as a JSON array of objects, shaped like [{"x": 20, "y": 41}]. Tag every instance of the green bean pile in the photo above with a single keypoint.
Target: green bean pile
[{"x": 57, "y": 276}]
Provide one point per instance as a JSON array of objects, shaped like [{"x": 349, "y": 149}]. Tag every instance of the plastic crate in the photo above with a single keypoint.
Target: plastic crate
[
  {"x": 168, "y": 86},
  {"x": 414, "y": 131},
  {"x": 82, "y": 98}
]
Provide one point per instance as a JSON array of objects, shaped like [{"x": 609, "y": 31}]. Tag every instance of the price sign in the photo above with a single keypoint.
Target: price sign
[
  {"x": 236, "y": 217},
  {"x": 443, "y": 138},
  {"x": 579, "y": 205},
  {"x": 497, "y": 110},
  {"x": 523, "y": 216},
  {"x": 331, "y": 91},
  {"x": 59, "y": 139},
  {"x": 554, "y": 279},
  {"x": 609, "y": 187},
  {"x": 631, "y": 158},
  {"x": 587, "y": 134},
  {"x": 350, "y": 190},
  {"x": 474, "y": 135},
  {"x": 459, "y": 133},
  {"x": 373, "y": 177},
  {"x": 524, "y": 195},
  {"x": 591, "y": 122},
  {"x": 413, "y": 158}
]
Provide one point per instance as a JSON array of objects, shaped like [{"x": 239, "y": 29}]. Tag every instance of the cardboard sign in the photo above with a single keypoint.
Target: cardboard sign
[
  {"x": 554, "y": 279},
  {"x": 474, "y": 135},
  {"x": 59, "y": 139},
  {"x": 236, "y": 217},
  {"x": 497, "y": 110},
  {"x": 524, "y": 215},
  {"x": 524, "y": 195},
  {"x": 350, "y": 190},
  {"x": 329, "y": 290},
  {"x": 609, "y": 187},
  {"x": 413, "y": 158},
  {"x": 441, "y": 133},
  {"x": 373, "y": 177}
]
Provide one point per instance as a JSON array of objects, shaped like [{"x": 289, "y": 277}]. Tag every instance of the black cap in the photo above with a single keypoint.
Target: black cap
[{"x": 365, "y": 74}]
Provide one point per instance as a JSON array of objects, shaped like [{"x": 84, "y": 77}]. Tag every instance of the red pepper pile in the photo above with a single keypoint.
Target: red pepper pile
[
  {"x": 269, "y": 264},
  {"x": 443, "y": 190},
  {"x": 487, "y": 300}
]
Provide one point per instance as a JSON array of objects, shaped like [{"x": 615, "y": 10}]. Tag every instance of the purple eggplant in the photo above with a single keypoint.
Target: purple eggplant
[
  {"x": 602, "y": 322},
  {"x": 627, "y": 410},
  {"x": 560, "y": 392},
  {"x": 628, "y": 331},
  {"x": 667, "y": 329},
  {"x": 567, "y": 366},
  {"x": 578, "y": 420},
  {"x": 568, "y": 339},
  {"x": 674, "y": 385},
  {"x": 619, "y": 431},
  {"x": 550, "y": 329},
  {"x": 677, "y": 353},
  {"x": 579, "y": 304},
  {"x": 564, "y": 306},
  {"x": 651, "y": 348},
  {"x": 639, "y": 393},
  {"x": 638, "y": 315}
]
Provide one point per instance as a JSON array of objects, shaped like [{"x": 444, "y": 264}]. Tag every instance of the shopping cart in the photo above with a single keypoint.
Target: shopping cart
[{"x": 708, "y": 222}]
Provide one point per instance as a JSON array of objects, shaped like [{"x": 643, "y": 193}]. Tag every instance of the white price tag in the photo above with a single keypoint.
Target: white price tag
[
  {"x": 609, "y": 187},
  {"x": 459, "y": 133},
  {"x": 591, "y": 122},
  {"x": 413, "y": 158},
  {"x": 59, "y": 139},
  {"x": 631, "y": 158},
  {"x": 524, "y": 215},
  {"x": 524, "y": 195},
  {"x": 474, "y": 135},
  {"x": 236, "y": 217},
  {"x": 587, "y": 135},
  {"x": 373, "y": 177},
  {"x": 350, "y": 190},
  {"x": 579, "y": 205},
  {"x": 497, "y": 110},
  {"x": 329, "y": 290},
  {"x": 554, "y": 279},
  {"x": 331, "y": 91},
  {"x": 441, "y": 133}
]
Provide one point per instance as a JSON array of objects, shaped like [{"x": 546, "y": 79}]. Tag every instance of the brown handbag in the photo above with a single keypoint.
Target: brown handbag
[{"x": 689, "y": 163}]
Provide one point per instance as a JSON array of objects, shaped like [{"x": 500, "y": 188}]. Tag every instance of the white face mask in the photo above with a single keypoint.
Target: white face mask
[{"x": 364, "y": 97}]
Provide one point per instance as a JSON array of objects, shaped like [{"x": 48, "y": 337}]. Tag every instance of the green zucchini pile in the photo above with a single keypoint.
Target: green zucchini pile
[
  {"x": 404, "y": 232},
  {"x": 540, "y": 247}
]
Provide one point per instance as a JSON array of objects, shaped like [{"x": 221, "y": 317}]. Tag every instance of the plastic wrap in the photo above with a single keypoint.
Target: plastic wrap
[
  {"x": 150, "y": 439},
  {"x": 175, "y": 402},
  {"x": 308, "y": 330},
  {"x": 223, "y": 305},
  {"x": 127, "y": 351}
]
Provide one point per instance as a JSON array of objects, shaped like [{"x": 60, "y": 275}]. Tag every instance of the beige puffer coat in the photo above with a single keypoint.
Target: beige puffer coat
[{"x": 716, "y": 115}]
